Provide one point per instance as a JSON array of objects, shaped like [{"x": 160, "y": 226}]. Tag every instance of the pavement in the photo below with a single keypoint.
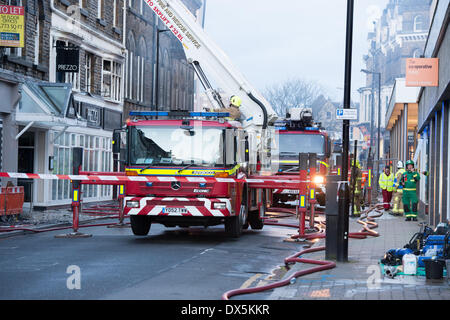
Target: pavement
[
  {"x": 361, "y": 278},
  {"x": 43, "y": 219}
]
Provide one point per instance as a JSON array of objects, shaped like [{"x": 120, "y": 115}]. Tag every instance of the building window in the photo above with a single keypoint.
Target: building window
[
  {"x": 140, "y": 70},
  {"x": 37, "y": 41},
  {"x": 112, "y": 80},
  {"x": 100, "y": 8},
  {"x": 62, "y": 165},
  {"x": 97, "y": 156},
  {"x": 83, "y": 4},
  {"x": 130, "y": 67},
  {"x": 418, "y": 24},
  {"x": 88, "y": 72},
  {"x": 115, "y": 14}
]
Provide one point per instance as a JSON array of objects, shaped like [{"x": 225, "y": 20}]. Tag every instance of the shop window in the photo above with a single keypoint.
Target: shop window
[{"x": 95, "y": 158}]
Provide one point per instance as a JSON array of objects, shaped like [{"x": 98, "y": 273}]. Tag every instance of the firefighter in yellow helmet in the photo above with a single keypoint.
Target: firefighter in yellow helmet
[
  {"x": 233, "y": 109},
  {"x": 398, "y": 190},
  {"x": 357, "y": 194}
]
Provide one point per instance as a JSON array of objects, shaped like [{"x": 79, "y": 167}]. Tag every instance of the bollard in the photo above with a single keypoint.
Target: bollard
[
  {"x": 343, "y": 222},
  {"x": 76, "y": 197},
  {"x": 369, "y": 180},
  {"x": 302, "y": 204},
  {"x": 331, "y": 212},
  {"x": 312, "y": 189},
  {"x": 121, "y": 197}
]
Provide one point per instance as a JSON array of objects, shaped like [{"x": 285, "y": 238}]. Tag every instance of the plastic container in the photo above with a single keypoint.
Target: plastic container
[
  {"x": 434, "y": 269},
  {"x": 409, "y": 264}
]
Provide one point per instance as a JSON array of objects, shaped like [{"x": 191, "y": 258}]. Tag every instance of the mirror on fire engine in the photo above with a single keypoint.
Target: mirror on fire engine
[{"x": 230, "y": 147}]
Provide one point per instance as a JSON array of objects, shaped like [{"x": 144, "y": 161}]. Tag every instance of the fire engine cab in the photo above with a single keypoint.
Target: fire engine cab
[
  {"x": 298, "y": 133},
  {"x": 201, "y": 161}
]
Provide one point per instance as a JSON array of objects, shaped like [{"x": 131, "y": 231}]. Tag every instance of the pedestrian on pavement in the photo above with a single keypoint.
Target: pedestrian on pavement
[
  {"x": 386, "y": 182},
  {"x": 356, "y": 167},
  {"x": 398, "y": 190},
  {"x": 409, "y": 183}
]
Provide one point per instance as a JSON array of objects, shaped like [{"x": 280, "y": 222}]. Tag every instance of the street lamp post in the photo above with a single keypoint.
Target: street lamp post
[
  {"x": 343, "y": 216},
  {"x": 379, "y": 118}
]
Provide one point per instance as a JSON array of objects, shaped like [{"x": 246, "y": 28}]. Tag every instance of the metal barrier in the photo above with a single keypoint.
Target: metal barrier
[{"x": 11, "y": 200}]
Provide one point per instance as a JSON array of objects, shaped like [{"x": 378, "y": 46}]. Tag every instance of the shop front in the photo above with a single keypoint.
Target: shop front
[{"x": 50, "y": 123}]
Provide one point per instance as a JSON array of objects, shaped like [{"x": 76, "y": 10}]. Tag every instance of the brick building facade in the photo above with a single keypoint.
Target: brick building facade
[
  {"x": 174, "y": 79},
  {"x": 44, "y": 112}
]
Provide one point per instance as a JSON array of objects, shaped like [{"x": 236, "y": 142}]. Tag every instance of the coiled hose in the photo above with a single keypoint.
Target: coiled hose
[{"x": 322, "y": 265}]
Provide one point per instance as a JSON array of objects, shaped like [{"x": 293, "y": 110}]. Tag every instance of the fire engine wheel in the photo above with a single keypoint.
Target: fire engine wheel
[
  {"x": 140, "y": 225},
  {"x": 235, "y": 225},
  {"x": 254, "y": 217}
]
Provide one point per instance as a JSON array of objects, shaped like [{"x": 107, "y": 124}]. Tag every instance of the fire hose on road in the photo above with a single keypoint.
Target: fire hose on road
[
  {"x": 12, "y": 228},
  {"x": 367, "y": 230}
]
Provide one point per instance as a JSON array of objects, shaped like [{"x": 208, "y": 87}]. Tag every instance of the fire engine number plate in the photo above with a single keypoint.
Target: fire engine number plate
[
  {"x": 288, "y": 191},
  {"x": 174, "y": 210}
]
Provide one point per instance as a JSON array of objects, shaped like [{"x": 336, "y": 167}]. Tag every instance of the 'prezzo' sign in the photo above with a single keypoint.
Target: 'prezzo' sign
[
  {"x": 67, "y": 59},
  {"x": 177, "y": 27}
]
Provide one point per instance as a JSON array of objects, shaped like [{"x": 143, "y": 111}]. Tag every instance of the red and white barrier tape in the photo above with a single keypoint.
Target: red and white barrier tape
[{"x": 121, "y": 178}]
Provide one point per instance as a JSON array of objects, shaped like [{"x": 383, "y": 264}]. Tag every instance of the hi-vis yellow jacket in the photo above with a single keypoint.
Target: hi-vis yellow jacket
[{"x": 386, "y": 182}]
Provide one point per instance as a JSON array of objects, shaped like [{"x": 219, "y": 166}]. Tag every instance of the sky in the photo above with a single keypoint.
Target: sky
[{"x": 271, "y": 41}]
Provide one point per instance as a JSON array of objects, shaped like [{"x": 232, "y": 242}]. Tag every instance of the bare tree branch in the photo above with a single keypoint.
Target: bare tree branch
[{"x": 293, "y": 93}]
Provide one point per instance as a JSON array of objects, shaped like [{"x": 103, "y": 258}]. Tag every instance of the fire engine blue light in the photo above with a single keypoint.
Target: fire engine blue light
[
  {"x": 148, "y": 113},
  {"x": 280, "y": 128},
  {"x": 209, "y": 114},
  {"x": 149, "y": 184},
  {"x": 311, "y": 129},
  {"x": 202, "y": 185},
  {"x": 179, "y": 114}
]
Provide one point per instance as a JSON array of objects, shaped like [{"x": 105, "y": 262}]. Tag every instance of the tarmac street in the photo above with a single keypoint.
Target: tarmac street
[
  {"x": 202, "y": 264},
  {"x": 113, "y": 264}
]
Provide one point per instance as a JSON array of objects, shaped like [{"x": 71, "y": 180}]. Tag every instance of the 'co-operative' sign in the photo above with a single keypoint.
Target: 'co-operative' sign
[{"x": 12, "y": 26}]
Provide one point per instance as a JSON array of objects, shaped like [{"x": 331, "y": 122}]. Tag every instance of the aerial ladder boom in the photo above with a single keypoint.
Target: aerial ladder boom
[{"x": 208, "y": 59}]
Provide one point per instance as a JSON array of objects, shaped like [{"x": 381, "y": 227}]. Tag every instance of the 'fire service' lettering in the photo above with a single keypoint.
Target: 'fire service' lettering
[{"x": 172, "y": 22}]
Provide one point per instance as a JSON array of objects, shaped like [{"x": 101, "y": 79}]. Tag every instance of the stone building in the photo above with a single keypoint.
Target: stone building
[
  {"x": 160, "y": 80},
  {"x": 51, "y": 110},
  {"x": 45, "y": 111},
  {"x": 400, "y": 33}
]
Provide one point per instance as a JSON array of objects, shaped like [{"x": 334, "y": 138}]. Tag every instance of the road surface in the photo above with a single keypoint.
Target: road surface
[{"x": 173, "y": 264}]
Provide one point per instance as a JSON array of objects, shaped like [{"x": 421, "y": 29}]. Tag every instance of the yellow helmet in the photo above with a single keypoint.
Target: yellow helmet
[{"x": 236, "y": 101}]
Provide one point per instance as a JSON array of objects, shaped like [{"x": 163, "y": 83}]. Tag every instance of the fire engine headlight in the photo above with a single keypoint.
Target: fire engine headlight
[
  {"x": 319, "y": 180},
  {"x": 132, "y": 204},
  {"x": 219, "y": 205}
]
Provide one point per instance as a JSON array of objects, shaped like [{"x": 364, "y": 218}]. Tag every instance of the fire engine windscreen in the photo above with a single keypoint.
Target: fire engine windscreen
[
  {"x": 175, "y": 146},
  {"x": 293, "y": 144}
]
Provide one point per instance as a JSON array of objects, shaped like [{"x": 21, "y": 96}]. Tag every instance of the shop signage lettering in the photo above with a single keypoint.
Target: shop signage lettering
[
  {"x": 12, "y": 26},
  {"x": 177, "y": 27},
  {"x": 422, "y": 72},
  {"x": 67, "y": 59}
]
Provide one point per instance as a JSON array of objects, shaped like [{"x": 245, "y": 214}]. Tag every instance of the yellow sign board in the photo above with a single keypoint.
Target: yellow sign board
[{"x": 12, "y": 26}]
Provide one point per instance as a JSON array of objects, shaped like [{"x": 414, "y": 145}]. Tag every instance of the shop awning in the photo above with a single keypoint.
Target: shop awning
[{"x": 46, "y": 105}]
